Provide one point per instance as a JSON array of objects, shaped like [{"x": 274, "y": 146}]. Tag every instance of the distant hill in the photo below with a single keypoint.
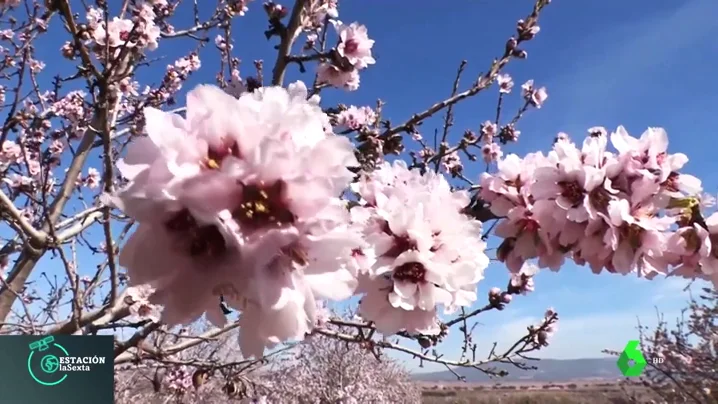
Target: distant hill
[{"x": 549, "y": 370}]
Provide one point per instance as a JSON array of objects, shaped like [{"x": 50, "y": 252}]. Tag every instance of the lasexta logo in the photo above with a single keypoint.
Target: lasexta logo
[{"x": 631, "y": 361}]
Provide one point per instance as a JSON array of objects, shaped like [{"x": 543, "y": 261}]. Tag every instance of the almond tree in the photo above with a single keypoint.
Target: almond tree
[
  {"x": 252, "y": 196},
  {"x": 687, "y": 370}
]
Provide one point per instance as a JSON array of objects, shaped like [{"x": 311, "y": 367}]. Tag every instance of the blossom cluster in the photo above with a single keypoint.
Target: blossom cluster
[
  {"x": 429, "y": 255},
  {"x": 240, "y": 200},
  {"x": 626, "y": 211},
  {"x": 352, "y": 53},
  {"x": 354, "y": 118},
  {"x": 178, "y": 380},
  {"x": 138, "y": 32}
]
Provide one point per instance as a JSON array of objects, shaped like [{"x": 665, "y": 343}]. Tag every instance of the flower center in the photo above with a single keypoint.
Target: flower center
[
  {"x": 196, "y": 240},
  {"x": 529, "y": 225},
  {"x": 351, "y": 46},
  {"x": 144, "y": 310},
  {"x": 572, "y": 191},
  {"x": 660, "y": 158},
  {"x": 215, "y": 155},
  {"x": 633, "y": 234},
  {"x": 599, "y": 198},
  {"x": 124, "y": 35},
  {"x": 400, "y": 243},
  {"x": 263, "y": 206},
  {"x": 413, "y": 272},
  {"x": 693, "y": 241},
  {"x": 671, "y": 183}
]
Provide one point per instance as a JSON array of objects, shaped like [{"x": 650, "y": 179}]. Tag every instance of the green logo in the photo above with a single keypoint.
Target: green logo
[
  {"x": 49, "y": 361},
  {"x": 631, "y": 362}
]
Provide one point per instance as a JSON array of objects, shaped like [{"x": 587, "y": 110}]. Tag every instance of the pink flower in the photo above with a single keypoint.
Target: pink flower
[
  {"x": 646, "y": 153},
  {"x": 157, "y": 165},
  {"x": 426, "y": 257},
  {"x": 312, "y": 261},
  {"x": 117, "y": 33},
  {"x": 689, "y": 246},
  {"x": 568, "y": 183},
  {"x": 240, "y": 199},
  {"x": 186, "y": 263},
  {"x": 92, "y": 180},
  {"x": 488, "y": 131},
  {"x": 491, "y": 152},
  {"x": 452, "y": 163},
  {"x": 533, "y": 95},
  {"x": 329, "y": 74},
  {"x": 563, "y": 137},
  {"x": 506, "y": 83},
  {"x": 179, "y": 380},
  {"x": 376, "y": 307},
  {"x": 511, "y": 186},
  {"x": 638, "y": 241},
  {"x": 522, "y": 281},
  {"x": 140, "y": 307},
  {"x": 263, "y": 328},
  {"x": 354, "y": 44},
  {"x": 11, "y": 153},
  {"x": 356, "y": 117}
]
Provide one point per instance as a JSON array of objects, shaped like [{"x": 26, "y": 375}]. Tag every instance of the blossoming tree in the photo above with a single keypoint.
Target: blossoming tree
[
  {"x": 254, "y": 197},
  {"x": 688, "y": 353}
]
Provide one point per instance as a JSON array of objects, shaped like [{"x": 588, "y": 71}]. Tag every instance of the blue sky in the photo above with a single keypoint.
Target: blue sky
[{"x": 639, "y": 63}]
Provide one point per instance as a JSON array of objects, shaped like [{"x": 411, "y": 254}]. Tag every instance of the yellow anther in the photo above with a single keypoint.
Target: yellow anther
[
  {"x": 261, "y": 208},
  {"x": 212, "y": 164}
]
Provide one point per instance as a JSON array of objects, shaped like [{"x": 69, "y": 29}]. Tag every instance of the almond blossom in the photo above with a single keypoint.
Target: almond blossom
[
  {"x": 426, "y": 257},
  {"x": 604, "y": 209},
  {"x": 240, "y": 199},
  {"x": 354, "y": 44},
  {"x": 332, "y": 75},
  {"x": 534, "y": 96},
  {"x": 116, "y": 34},
  {"x": 356, "y": 117}
]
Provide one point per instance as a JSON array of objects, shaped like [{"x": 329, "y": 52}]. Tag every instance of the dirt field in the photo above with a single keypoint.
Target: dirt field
[{"x": 527, "y": 393}]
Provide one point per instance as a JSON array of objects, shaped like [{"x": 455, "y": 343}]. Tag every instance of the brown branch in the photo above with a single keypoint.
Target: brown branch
[{"x": 289, "y": 35}]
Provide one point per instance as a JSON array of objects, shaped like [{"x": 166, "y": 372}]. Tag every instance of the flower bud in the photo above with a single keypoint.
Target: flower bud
[
  {"x": 520, "y": 54},
  {"x": 511, "y": 45},
  {"x": 424, "y": 342}
]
